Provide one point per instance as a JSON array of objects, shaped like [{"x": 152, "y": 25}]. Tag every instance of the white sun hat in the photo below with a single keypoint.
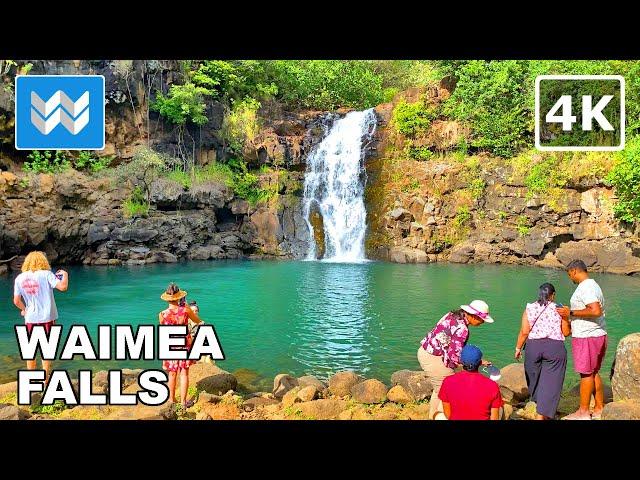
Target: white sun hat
[{"x": 478, "y": 308}]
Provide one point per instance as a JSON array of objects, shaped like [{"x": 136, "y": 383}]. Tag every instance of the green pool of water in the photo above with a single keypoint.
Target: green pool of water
[{"x": 314, "y": 317}]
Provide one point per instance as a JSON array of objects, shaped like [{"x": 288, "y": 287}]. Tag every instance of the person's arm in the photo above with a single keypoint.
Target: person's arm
[
  {"x": 63, "y": 284},
  {"x": 565, "y": 326},
  {"x": 17, "y": 301},
  {"x": 592, "y": 311},
  {"x": 496, "y": 404},
  {"x": 525, "y": 329},
  {"x": 192, "y": 315},
  {"x": 160, "y": 318},
  {"x": 446, "y": 407}
]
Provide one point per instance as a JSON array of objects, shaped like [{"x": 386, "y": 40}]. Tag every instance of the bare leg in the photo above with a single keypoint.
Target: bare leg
[
  {"x": 599, "y": 394},
  {"x": 587, "y": 386},
  {"x": 46, "y": 365},
  {"x": 172, "y": 387},
  {"x": 31, "y": 364},
  {"x": 184, "y": 385}
]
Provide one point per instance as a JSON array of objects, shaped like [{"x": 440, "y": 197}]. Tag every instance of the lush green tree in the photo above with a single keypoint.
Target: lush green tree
[
  {"x": 183, "y": 103},
  {"x": 491, "y": 97},
  {"x": 625, "y": 177}
]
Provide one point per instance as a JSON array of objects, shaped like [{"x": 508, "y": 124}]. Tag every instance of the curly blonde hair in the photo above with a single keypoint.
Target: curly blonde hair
[{"x": 35, "y": 261}]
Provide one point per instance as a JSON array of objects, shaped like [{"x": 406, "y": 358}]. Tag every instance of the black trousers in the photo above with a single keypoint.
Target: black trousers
[{"x": 545, "y": 364}]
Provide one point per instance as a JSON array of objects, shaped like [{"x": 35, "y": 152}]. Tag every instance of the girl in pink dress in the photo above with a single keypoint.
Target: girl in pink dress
[{"x": 178, "y": 313}]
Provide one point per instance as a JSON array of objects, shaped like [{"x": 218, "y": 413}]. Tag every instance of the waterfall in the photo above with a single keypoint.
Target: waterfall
[{"x": 334, "y": 188}]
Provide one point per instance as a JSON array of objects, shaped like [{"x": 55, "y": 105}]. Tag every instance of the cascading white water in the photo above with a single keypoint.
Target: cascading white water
[{"x": 334, "y": 185}]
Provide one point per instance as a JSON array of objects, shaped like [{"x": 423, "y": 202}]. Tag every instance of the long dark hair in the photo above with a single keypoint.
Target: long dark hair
[{"x": 545, "y": 292}]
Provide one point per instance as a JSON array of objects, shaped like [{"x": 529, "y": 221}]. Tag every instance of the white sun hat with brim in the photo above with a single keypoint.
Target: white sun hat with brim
[{"x": 478, "y": 308}]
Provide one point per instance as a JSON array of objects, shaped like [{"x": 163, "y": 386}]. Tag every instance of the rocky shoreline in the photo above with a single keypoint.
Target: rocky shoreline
[{"x": 344, "y": 396}]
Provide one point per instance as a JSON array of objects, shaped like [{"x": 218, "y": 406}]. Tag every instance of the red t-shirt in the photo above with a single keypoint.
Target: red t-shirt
[{"x": 471, "y": 395}]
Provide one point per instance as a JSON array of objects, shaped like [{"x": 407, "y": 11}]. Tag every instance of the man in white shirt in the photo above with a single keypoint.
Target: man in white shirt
[{"x": 589, "y": 338}]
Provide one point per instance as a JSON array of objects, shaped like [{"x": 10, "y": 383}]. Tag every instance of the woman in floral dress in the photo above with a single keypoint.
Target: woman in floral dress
[
  {"x": 178, "y": 313},
  {"x": 439, "y": 351}
]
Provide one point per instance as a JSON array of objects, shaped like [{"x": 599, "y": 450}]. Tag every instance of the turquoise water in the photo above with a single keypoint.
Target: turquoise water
[{"x": 314, "y": 317}]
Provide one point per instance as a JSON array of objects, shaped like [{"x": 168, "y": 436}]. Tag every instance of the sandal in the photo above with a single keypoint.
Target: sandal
[{"x": 188, "y": 404}]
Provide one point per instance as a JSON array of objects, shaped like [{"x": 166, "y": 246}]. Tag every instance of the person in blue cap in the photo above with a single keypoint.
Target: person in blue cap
[{"x": 469, "y": 395}]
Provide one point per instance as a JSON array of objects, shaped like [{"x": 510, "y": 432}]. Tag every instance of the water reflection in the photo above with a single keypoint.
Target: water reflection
[{"x": 331, "y": 321}]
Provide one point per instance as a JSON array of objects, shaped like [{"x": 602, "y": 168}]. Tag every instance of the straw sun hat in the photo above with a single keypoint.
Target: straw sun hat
[
  {"x": 172, "y": 298},
  {"x": 479, "y": 309}
]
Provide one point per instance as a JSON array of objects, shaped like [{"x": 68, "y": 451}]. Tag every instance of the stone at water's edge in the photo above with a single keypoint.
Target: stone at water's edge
[
  {"x": 282, "y": 383},
  {"x": 513, "y": 383},
  {"x": 218, "y": 384},
  {"x": 308, "y": 393},
  {"x": 254, "y": 402},
  {"x": 398, "y": 394},
  {"x": 626, "y": 378},
  {"x": 340, "y": 384},
  {"x": 416, "y": 382},
  {"x": 309, "y": 380},
  {"x": 369, "y": 391},
  {"x": 622, "y": 410},
  {"x": 290, "y": 397},
  {"x": 324, "y": 409},
  {"x": 10, "y": 412},
  {"x": 8, "y": 389}
]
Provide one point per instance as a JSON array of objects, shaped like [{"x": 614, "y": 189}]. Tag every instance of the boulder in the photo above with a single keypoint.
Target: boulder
[
  {"x": 323, "y": 409},
  {"x": 308, "y": 393},
  {"x": 9, "y": 412},
  {"x": 282, "y": 383},
  {"x": 417, "y": 383},
  {"x": 399, "y": 394},
  {"x": 142, "y": 412},
  {"x": 310, "y": 380},
  {"x": 408, "y": 255},
  {"x": 221, "y": 411},
  {"x": 100, "y": 382},
  {"x": 401, "y": 215},
  {"x": 529, "y": 411},
  {"x": 203, "y": 416},
  {"x": 462, "y": 253},
  {"x": 507, "y": 411},
  {"x": 340, "y": 384},
  {"x": 622, "y": 410},
  {"x": 369, "y": 391},
  {"x": 217, "y": 384},
  {"x": 254, "y": 402},
  {"x": 625, "y": 382},
  {"x": 8, "y": 389},
  {"x": 513, "y": 383},
  {"x": 201, "y": 370},
  {"x": 290, "y": 397},
  {"x": 608, "y": 255}
]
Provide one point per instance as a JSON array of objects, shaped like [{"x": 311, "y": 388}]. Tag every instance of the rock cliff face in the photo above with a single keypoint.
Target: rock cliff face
[
  {"x": 76, "y": 218},
  {"x": 459, "y": 209},
  {"x": 478, "y": 209}
]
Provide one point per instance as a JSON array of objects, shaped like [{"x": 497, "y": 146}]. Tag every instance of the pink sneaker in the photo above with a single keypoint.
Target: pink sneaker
[
  {"x": 596, "y": 415},
  {"x": 577, "y": 416}
]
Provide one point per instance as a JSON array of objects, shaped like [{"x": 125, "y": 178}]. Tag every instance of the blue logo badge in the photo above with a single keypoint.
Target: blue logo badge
[{"x": 59, "y": 112}]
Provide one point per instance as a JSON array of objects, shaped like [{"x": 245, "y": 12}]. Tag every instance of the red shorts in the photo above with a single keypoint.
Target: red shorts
[
  {"x": 46, "y": 325},
  {"x": 588, "y": 353}
]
